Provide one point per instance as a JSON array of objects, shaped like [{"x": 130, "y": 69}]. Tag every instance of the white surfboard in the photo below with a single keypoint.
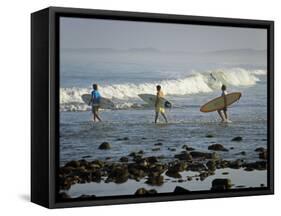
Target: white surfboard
[
  {"x": 105, "y": 103},
  {"x": 150, "y": 99}
]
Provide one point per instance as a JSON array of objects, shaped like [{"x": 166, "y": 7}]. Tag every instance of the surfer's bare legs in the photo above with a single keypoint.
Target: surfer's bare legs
[
  {"x": 164, "y": 116},
  {"x": 156, "y": 117},
  {"x": 95, "y": 111},
  {"x": 225, "y": 114},
  {"x": 96, "y": 116},
  {"x": 220, "y": 114}
]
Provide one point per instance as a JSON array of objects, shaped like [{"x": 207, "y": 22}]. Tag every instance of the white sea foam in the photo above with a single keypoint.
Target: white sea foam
[
  {"x": 259, "y": 72},
  {"x": 70, "y": 98}
]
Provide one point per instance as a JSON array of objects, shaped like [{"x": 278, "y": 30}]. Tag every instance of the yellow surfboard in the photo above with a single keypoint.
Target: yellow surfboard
[{"x": 218, "y": 103}]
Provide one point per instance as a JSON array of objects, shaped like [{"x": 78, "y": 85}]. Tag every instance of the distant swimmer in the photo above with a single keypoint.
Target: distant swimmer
[
  {"x": 213, "y": 76},
  {"x": 223, "y": 112},
  {"x": 95, "y": 101},
  {"x": 159, "y": 107}
]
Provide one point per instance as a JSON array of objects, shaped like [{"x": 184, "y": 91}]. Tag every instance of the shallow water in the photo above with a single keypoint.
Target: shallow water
[
  {"x": 80, "y": 137},
  {"x": 239, "y": 179}
]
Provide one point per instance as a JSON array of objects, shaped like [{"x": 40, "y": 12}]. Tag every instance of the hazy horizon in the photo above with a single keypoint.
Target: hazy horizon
[{"x": 83, "y": 33}]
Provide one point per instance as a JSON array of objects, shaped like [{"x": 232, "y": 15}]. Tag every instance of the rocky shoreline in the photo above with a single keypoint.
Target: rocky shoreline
[{"x": 136, "y": 166}]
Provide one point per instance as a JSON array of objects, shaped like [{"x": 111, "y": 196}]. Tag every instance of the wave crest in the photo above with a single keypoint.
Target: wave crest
[{"x": 70, "y": 98}]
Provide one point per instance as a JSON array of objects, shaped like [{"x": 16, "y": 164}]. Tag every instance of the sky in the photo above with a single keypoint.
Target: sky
[{"x": 115, "y": 34}]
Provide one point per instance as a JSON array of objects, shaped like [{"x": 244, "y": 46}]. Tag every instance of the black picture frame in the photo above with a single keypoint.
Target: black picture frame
[{"x": 45, "y": 103}]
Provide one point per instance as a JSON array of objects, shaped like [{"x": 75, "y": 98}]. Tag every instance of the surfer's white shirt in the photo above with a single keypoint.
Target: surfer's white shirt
[{"x": 224, "y": 93}]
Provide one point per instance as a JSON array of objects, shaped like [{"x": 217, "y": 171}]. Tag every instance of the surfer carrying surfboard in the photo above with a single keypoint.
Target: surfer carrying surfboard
[
  {"x": 223, "y": 112},
  {"x": 95, "y": 102},
  {"x": 159, "y": 108}
]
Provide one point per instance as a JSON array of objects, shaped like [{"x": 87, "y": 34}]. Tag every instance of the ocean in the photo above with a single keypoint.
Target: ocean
[{"x": 188, "y": 81}]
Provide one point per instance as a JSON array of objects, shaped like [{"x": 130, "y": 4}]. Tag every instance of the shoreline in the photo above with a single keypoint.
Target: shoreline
[{"x": 144, "y": 175}]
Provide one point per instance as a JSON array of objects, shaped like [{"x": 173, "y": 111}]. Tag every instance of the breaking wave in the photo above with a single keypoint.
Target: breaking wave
[{"x": 123, "y": 94}]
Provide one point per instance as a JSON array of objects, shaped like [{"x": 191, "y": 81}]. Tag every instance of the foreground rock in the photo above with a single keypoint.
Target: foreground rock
[
  {"x": 124, "y": 159},
  {"x": 237, "y": 164},
  {"x": 152, "y": 169},
  {"x": 73, "y": 164},
  {"x": 118, "y": 174},
  {"x": 212, "y": 165},
  {"x": 217, "y": 147},
  {"x": 204, "y": 155},
  {"x": 175, "y": 169},
  {"x": 260, "y": 149},
  {"x": 143, "y": 191},
  {"x": 184, "y": 156},
  {"x": 187, "y": 148},
  {"x": 157, "y": 180},
  {"x": 221, "y": 184},
  {"x": 263, "y": 155},
  {"x": 180, "y": 190},
  {"x": 197, "y": 167},
  {"x": 258, "y": 165},
  {"x": 105, "y": 146}
]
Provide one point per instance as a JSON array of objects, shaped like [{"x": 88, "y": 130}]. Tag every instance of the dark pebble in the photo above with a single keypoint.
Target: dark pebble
[
  {"x": 180, "y": 190},
  {"x": 263, "y": 155},
  {"x": 123, "y": 139},
  {"x": 143, "y": 191},
  {"x": 197, "y": 167},
  {"x": 152, "y": 159},
  {"x": 184, "y": 156},
  {"x": 187, "y": 148},
  {"x": 258, "y": 165},
  {"x": 260, "y": 149},
  {"x": 86, "y": 156},
  {"x": 209, "y": 136},
  {"x": 155, "y": 180},
  {"x": 124, "y": 159},
  {"x": 73, "y": 164},
  {"x": 237, "y": 164},
  {"x": 237, "y": 139},
  {"x": 211, "y": 164},
  {"x": 241, "y": 153},
  {"x": 221, "y": 184},
  {"x": 172, "y": 149},
  {"x": 217, "y": 147},
  {"x": 104, "y": 146},
  {"x": 196, "y": 154}
]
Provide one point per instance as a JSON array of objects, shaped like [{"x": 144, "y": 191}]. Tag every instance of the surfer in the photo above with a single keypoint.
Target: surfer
[
  {"x": 212, "y": 76},
  {"x": 95, "y": 101},
  {"x": 223, "y": 112},
  {"x": 159, "y": 108}
]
